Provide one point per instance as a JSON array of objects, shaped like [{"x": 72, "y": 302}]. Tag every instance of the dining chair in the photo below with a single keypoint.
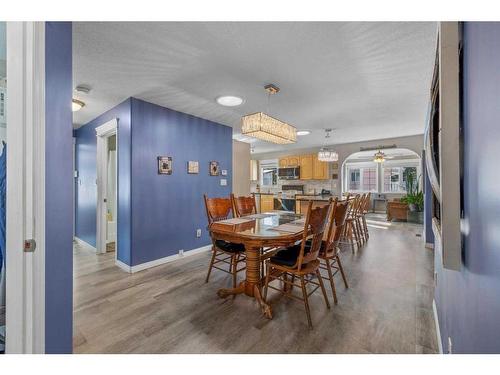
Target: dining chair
[
  {"x": 329, "y": 251},
  {"x": 244, "y": 206},
  {"x": 350, "y": 233},
  {"x": 301, "y": 261},
  {"x": 364, "y": 212},
  {"x": 222, "y": 251}
]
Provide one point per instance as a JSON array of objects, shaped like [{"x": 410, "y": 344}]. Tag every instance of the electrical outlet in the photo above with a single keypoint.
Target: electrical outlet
[
  {"x": 198, "y": 233},
  {"x": 450, "y": 346},
  {"x": 181, "y": 253}
]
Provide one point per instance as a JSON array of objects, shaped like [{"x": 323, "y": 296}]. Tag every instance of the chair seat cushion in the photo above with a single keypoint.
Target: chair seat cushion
[
  {"x": 287, "y": 256},
  {"x": 229, "y": 247},
  {"x": 309, "y": 244}
]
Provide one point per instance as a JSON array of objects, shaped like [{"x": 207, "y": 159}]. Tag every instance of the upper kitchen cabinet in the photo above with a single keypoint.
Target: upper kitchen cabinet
[
  {"x": 306, "y": 167},
  {"x": 289, "y": 161},
  {"x": 320, "y": 169}
]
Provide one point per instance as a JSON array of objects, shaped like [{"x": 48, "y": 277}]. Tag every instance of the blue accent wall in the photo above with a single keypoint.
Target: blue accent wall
[
  {"x": 468, "y": 301},
  {"x": 58, "y": 189},
  {"x": 167, "y": 209},
  {"x": 85, "y": 184},
  {"x": 157, "y": 214}
]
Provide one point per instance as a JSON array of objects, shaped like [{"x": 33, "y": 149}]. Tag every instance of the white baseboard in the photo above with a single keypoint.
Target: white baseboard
[
  {"x": 84, "y": 244},
  {"x": 158, "y": 262},
  {"x": 429, "y": 245},
  {"x": 438, "y": 331},
  {"x": 123, "y": 266}
]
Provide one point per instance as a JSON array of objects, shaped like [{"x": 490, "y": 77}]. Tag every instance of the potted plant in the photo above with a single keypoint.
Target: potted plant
[{"x": 414, "y": 196}]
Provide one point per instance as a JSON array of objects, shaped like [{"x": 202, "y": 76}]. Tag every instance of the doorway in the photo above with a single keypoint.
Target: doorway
[{"x": 107, "y": 188}]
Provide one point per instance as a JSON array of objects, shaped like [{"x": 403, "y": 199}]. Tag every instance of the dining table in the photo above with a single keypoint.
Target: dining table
[{"x": 268, "y": 230}]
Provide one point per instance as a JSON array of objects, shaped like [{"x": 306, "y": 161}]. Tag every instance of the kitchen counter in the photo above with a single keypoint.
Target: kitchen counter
[{"x": 305, "y": 197}]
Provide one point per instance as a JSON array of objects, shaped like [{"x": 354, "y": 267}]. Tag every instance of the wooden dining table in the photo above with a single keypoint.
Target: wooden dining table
[{"x": 256, "y": 232}]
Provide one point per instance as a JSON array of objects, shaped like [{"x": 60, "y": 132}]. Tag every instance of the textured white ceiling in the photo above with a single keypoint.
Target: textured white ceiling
[{"x": 367, "y": 80}]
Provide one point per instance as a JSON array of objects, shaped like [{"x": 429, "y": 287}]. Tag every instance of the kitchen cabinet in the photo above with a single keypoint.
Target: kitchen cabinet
[
  {"x": 289, "y": 161},
  {"x": 320, "y": 169},
  {"x": 310, "y": 167},
  {"x": 266, "y": 202},
  {"x": 306, "y": 167}
]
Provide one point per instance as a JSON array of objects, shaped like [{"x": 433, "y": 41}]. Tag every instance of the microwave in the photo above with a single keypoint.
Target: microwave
[{"x": 289, "y": 173}]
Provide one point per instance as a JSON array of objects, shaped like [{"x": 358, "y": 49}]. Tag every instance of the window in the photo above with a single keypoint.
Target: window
[
  {"x": 361, "y": 179},
  {"x": 269, "y": 173},
  {"x": 395, "y": 178}
]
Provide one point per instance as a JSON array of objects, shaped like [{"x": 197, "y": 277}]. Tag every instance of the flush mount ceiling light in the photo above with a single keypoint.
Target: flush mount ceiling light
[
  {"x": 229, "y": 100},
  {"x": 325, "y": 153},
  {"x": 379, "y": 157},
  {"x": 303, "y": 132},
  {"x": 76, "y": 105},
  {"x": 267, "y": 128}
]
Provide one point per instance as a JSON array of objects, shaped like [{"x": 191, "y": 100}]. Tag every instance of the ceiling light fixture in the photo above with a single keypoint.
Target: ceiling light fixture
[
  {"x": 229, "y": 100},
  {"x": 325, "y": 153},
  {"x": 267, "y": 128},
  {"x": 303, "y": 132},
  {"x": 76, "y": 105},
  {"x": 379, "y": 157}
]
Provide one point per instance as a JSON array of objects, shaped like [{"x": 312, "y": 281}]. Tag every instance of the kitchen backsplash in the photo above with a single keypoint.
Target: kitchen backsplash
[{"x": 310, "y": 186}]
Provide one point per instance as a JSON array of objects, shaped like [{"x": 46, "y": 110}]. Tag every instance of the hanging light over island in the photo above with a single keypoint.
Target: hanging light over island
[{"x": 262, "y": 126}]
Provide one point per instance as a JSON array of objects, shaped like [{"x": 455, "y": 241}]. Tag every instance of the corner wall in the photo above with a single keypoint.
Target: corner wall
[
  {"x": 241, "y": 168},
  {"x": 167, "y": 209},
  {"x": 468, "y": 301},
  {"x": 58, "y": 188},
  {"x": 85, "y": 184}
]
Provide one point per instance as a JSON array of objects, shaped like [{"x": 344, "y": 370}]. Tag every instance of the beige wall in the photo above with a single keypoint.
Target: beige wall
[{"x": 241, "y": 168}]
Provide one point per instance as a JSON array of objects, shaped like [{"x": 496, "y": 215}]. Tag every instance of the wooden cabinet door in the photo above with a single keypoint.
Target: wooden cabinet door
[
  {"x": 306, "y": 167},
  {"x": 320, "y": 169},
  {"x": 293, "y": 161},
  {"x": 266, "y": 203},
  {"x": 283, "y": 162}
]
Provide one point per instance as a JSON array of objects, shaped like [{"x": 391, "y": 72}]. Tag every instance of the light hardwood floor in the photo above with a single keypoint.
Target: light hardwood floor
[{"x": 169, "y": 308}]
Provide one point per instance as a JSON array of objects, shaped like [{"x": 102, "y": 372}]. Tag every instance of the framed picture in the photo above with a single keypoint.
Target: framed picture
[
  {"x": 335, "y": 165},
  {"x": 335, "y": 176},
  {"x": 164, "y": 165},
  {"x": 214, "y": 168},
  {"x": 193, "y": 167},
  {"x": 223, "y": 172}
]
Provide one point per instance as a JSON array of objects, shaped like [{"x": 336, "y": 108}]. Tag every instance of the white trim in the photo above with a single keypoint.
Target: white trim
[
  {"x": 158, "y": 262},
  {"x": 85, "y": 244},
  {"x": 123, "y": 266},
  {"x": 25, "y": 297},
  {"x": 103, "y": 132},
  {"x": 436, "y": 322}
]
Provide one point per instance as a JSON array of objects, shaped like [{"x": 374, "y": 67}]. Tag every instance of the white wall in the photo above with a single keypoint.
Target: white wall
[{"x": 241, "y": 168}]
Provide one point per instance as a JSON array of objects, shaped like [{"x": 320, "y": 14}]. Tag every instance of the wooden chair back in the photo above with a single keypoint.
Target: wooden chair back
[
  {"x": 217, "y": 208},
  {"x": 244, "y": 206},
  {"x": 366, "y": 207},
  {"x": 314, "y": 229},
  {"x": 338, "y": 214}
]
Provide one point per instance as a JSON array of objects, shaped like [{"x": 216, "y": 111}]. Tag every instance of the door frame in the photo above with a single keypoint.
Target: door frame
[
  {"x": 103, "y": 132},
  {"x": 25, "y": 217}
]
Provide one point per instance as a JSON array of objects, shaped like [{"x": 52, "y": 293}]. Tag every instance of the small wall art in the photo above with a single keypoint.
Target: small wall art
[
  {"x": 214, "y": 168},
  {"x": 223, "y": 172},
  {"x": 193, "y": 167},
  {"x": 335, "y": 176},
  {"x": 335, "y": 165},
  {"x": 164, "y": 165}
]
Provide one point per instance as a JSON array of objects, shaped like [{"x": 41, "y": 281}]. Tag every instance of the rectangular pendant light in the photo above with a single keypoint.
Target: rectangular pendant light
[{"x": 267, "y": 128}]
